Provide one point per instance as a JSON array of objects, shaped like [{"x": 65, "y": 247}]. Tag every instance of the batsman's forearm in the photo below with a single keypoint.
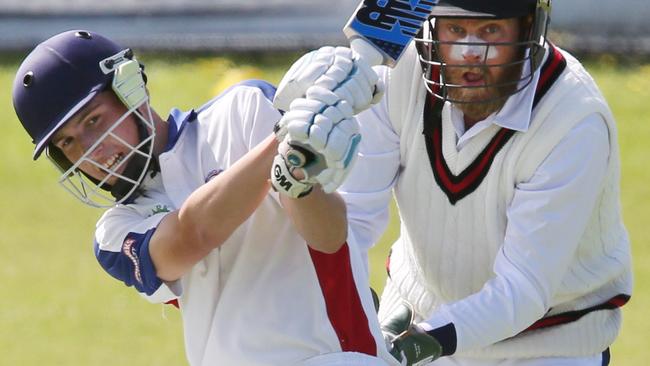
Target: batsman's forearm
[
  {"x": 320, "y": 219},
  {"x": 224, "y": 203},
  {"x": 212, "y": 213}
]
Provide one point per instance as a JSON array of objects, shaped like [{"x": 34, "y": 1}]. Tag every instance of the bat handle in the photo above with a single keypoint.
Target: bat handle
[
  {"x": 298, "y": 156},
  {"x": 367, "y": 51}
]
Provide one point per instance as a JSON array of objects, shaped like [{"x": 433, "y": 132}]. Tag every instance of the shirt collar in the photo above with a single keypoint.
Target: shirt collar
[
  {"x": 175, "y": 123},
  {"x": 516, "y": 113}
]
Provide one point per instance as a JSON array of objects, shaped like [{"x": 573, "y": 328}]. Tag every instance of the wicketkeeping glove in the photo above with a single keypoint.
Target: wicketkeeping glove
[
  {"x": 409, "y": 344},
  {"x": 336, "y": 69}
]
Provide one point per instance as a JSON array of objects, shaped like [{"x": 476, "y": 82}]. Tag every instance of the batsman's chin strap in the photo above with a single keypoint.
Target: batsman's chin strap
[{"x": 122, "y": 188}]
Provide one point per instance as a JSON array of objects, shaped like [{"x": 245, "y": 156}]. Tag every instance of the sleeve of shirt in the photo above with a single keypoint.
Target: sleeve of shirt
[
  {"x": 122, "y": 249},
  {"x": 260, "y": 115},
  {"x": 546, "y": 220},
  {"x": 367, "y": 191},
  {"x": 240, "y": 118}
]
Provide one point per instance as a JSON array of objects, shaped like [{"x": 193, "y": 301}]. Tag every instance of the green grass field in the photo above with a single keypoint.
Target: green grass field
[{"x": 58, "y": 307}]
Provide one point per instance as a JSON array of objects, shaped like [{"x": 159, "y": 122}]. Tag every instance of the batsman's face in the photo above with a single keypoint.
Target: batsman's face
[
  {"x": 477, "y": 60},
  {"x": 85, "y": 135}
]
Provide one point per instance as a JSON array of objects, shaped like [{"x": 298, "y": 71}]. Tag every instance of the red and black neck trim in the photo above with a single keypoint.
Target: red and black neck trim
[{"x": 457, "y": 187}]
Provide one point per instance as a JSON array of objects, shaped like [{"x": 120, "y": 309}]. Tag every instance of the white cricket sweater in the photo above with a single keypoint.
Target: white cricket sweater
[{"x": 451, "y": 243}]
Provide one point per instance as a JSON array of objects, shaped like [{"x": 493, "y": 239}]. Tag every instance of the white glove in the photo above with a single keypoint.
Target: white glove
[
  {"x": 282, "y": 178},
  {"x": 324, "y": 136},
  {"x": 300, "y": 120},
  {"x": 336, "y": 69}
]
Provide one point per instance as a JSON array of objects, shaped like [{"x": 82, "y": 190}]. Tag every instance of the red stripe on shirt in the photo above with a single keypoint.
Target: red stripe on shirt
[
  {"x": 571, "y": 316},
  {"x": 344, "y": 308},
  {"x": 556, "y": 59}
]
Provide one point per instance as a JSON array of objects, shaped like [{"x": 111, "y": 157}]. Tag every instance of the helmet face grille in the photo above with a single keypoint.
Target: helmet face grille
[
  {"x": 127, "y": 174},
  {"x": 520, "y": 71}
]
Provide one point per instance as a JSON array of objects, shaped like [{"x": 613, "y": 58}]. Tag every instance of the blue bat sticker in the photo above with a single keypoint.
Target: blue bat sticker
[{"x": 391, "y": 24}]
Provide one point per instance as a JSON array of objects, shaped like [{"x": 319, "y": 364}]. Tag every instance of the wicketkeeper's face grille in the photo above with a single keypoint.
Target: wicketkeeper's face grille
[{"x": 479, "y": 61}]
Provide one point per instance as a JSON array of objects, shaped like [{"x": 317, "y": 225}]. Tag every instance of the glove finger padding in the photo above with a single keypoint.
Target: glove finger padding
[
  {"x": 312, "y": 105},
  {"x": 301, "y": 75},
  {"x": 327, "y": 67},
  {"x": 342, "y": 144},
  {"x": 321, "y": 94},
  {"x": 323, "y": 125},
  {"x": 372, "y": 79},
  {"x": 325, "y": 129},
  {"x": 298, "y": 120},
  {"x": 363, "y": 87},
  {"x": 343, "y": 167},
  {"x": 328, "y": 166},
  {"x": 359, "y": 96},
  {"x": 297, "y": 116},
  {"x": 364, "y": 69},
  {"x": 335, "y": 114},
  {"x": 335, "y": 74},
  {"x": 319, "y": 132}
]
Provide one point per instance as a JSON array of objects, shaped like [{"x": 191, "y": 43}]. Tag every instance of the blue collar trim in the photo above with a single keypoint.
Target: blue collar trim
[{"x": 175, "y": 123}]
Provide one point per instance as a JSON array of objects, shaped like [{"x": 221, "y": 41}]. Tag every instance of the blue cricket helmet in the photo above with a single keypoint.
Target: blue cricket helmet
[{"x": 58, "y": 78}]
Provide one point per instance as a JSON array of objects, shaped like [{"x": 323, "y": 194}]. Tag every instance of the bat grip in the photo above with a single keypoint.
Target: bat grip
[
  {"x": 367, "y": 51},
  {"x": 299, "y": 156}
]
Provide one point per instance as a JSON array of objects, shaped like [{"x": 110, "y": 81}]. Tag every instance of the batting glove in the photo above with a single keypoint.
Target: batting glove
[
  {"x": 323, "y": 135},
  {"x": 407, "y": 342},
  {"x": 336, "y": 69},
  {"x": 282, "y": 173}
]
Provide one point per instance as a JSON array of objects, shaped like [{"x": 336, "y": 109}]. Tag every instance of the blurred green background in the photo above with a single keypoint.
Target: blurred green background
[{"x": 58, "y": 307}]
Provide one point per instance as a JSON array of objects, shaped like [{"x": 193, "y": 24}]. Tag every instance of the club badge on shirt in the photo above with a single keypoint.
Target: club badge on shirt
[{"x": 212, "y": 174}]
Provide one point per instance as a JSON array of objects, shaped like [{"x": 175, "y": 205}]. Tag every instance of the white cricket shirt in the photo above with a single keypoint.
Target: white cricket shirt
[{"x": 263, "y": 297}]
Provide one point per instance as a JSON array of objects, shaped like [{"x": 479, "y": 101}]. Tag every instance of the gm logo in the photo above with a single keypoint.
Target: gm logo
[{"x": 280, "y": 178}]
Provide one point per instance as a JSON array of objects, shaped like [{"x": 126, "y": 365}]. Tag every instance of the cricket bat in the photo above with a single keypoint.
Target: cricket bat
[{"x": 380, "y": 30}]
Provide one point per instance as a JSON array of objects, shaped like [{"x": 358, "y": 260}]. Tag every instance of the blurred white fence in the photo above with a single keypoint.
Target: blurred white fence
[{"x": 618, "y": 26}]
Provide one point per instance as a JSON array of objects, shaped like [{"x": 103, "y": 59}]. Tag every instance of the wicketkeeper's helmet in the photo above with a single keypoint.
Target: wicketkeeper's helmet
[
  {"x": 56, "y": 80},
  {"x": 531, "y": 44}
]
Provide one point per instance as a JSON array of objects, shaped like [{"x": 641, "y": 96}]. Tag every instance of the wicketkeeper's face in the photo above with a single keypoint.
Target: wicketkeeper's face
[
  {"x": 477, "y": 53},
  {"x": 102, "y": 134}
]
